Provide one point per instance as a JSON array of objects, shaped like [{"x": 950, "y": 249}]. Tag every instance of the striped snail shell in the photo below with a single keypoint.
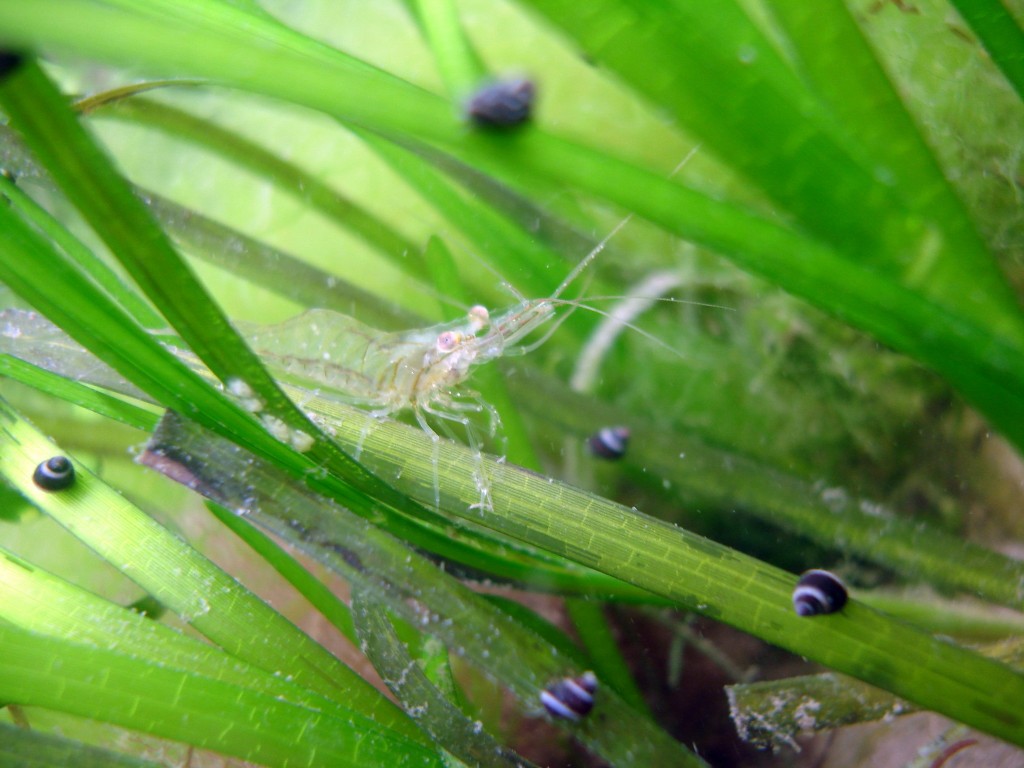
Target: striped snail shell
[
  {"x": 609, "y": 443},
  {"x": 502, "y": 104},
  {"x": 819, "y": 592},
  {"x": 54, "y": 474},
  {"x": 571, "y": 698}
]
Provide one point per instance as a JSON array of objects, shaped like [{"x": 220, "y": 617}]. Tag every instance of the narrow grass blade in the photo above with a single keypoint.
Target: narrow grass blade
[
  {"x": 271, "y": 268},
  {"x": 596, "y": 636},
  {"x": 185, "y": 706},
  {"x": 460, "y": 67},
  {"x": 78, "y": 394},
  {"x": 772, "y": 714},
  {"x": 488, "y": 231},
  {"x": 30, "y": 749},
  {"x": 710, "y": 476},
  {"x": 330, "y": 606},
  {"x": 865, "y": 102},
  {"x": 39, "y": 602},
  {"x": 1000, "y": 33},
  {"x": 231, "y": 146},
  {"x": 112, "y": 283},
  {"x": 449, "y": 727}
]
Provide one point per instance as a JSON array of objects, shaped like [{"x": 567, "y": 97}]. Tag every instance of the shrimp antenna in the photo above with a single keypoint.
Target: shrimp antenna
[
  {"x": 611, "y": 316},
  {"x": 589, "y": 258},
  {"x": 661, "y": 299},
  {"x": 586, "y": 260}
]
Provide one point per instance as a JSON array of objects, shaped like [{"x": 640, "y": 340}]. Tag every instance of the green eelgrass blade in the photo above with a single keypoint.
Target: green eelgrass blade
[
  {"x": 102, "y": 275},
  {"x": 1000, "y": 33},
  {"x": 40, "y": 602},
  {"x": 591, "y": 624},
  {"x": 77, "y": 394},
  {"x": 213, "y": 242},
  {"x": 183, "y": 705},
  {"x": 330, "y": 606},
  {"x": 271, "y": 268},
  {"x": 695, "y": 573},
  {"x": 29, "y": 749},
  {"x": 488, "y": 231},
  {"x": 867, "y": 105},
  {"x": 249, "y": 155},
  {"x": 246, "y": 21},
  {"x": 410, "y": 684},
  {"x": 458, "y": 63},
  {"x": 965, "y": 620}
]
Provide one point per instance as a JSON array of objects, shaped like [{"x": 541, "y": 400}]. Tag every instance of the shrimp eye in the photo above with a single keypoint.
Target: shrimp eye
[
  {"x": 479, "y": 318},
  {"x": 503, "y": 104},
  {"x": 54, "y": 474},
  {"x": 571, "y": 697},
  {"x": 448, "y": 340},
  {"x": 609, "y": 443},
  {"x": 819, "y": 592}
]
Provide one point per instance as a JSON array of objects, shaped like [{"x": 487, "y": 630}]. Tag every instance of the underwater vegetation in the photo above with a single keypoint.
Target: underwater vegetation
[{"x": 508, "y": 383}]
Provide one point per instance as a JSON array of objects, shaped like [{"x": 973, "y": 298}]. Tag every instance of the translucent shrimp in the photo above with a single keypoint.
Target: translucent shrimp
[
  {"x": 415, "y": 369},
  {"x": 390, "y": 372},
  {"x": 419, "y": 370}
]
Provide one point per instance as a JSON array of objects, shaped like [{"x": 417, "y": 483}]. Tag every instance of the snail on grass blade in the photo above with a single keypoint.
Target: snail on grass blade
[
  {"x": 54, "y": 474},
  {"x": 819, "y": 592},
  {"x": 502, "y": 104},
  {"x": 570, "y": 698}
]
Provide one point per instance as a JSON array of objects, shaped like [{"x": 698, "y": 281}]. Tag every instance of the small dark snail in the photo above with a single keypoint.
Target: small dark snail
[
  {"x": 571, "y": 698},
  {"x": 54, "y": 474},
  {"x": 502, "y": 104},
  {"x": 819, "y": 592},
  {"x": 609, "y": 443}
]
